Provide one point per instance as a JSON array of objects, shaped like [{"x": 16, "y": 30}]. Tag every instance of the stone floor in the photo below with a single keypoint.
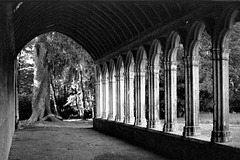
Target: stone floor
[
  {"x": 77, "y": 140},
  {"x": 73, "y": 141}
]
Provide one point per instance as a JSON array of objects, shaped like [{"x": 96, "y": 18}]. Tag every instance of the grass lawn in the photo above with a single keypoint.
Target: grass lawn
[{"x": 207, "y": 118}]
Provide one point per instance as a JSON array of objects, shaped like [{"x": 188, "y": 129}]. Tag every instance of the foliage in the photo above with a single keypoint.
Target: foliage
[
  {"x": 234, "y": 68},
  {"x": 70, "y": 66}
]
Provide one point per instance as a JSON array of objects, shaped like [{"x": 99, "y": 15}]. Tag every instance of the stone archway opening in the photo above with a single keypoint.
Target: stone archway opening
[
  {"x": 71, "y": 77},
  {"x": 205, "y": 83},
  {"x": 233, "y": 44}
]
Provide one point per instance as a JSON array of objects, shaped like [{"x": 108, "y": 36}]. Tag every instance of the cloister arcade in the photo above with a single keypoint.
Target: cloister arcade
[
  {"x": 130, "y": 42},
  {"x": 123, "y": 78}
]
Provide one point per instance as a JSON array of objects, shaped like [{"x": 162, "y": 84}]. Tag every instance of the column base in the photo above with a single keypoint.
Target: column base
[
  {"x": 191, "y": 131},
  {"x": 98, "y": 116},
  {"x": 110, "y": 117},
  {"x": 104, "y": 116},
  {"x": 141, "y": 122},
  {"x": 170, "y": 127},
  {"x": 154, "y": 124},
  {"x": 220, "y": 136},
  {"x": 129, "y": 120},
  {"x": 119, "y": 119}
]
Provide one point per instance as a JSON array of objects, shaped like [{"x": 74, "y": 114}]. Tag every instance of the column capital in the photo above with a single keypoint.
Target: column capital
[
  {"x": 131, "y": 74},
  {"x": 221, "y": 54},
  {"x": 166, "y": 65},
  {"x": 174, "y": 63},
  {"x": 142, "y": 73},
  {"x": 195, "y": 63}
]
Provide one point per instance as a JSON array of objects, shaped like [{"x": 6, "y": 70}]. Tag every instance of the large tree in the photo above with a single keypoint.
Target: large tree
[
  {"x": 60, "y": 63},
  {"x": 41, "y": 87}
]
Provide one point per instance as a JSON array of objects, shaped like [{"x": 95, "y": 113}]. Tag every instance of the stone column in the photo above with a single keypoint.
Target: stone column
[
  {"x": 98, "y": 97},
  {"x": 131, "y": 97},
  {"x": 141, "y": 121},
  {"x": 110, "y": 115},
  {"x": 171, "y": 108},
  {"x": 191, "y": 127},
  {"x": 104, "y": 97},
  {"x": 120, "y": 97},
  {"x": 166, "y": 92},
  {"x": 114, "y": 97},
  {"x": 136, "y": 95},
  {"x": 154, "y": 102},
  {"x": 117, "y": 96},
  {"x": 16, "y": 94},
  {"x": 220, "y": 131},
  {"x": 121, "y": 93},
  {"x": 105, "y": 90},
  {"x": 126, "y": 100}
]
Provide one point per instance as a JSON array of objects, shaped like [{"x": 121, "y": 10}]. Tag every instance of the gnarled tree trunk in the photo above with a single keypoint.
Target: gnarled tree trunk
[
  {"x": 54, "y": 97},
  {"x": 41, "y": 88}
]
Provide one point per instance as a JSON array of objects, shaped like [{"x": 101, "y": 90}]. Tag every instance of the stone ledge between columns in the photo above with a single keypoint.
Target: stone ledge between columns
[{"x": 166, "y": 144}]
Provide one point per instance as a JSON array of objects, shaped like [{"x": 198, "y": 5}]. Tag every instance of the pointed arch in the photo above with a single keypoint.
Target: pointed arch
[
  {"x": 224, "y": 26},
  {"x": 140, "y": 80},
  {"x": 155, "y": 50},
  {"x": 193, "y": 40},
  {"x": 129, "y": 88},
  {"x": 170, "y": 84},
  {"x": 171, "y": 47},
  {"x": 221, "y": 53},
  {"x": 141, "y": 58},
  {"x": 153, "y": 85},
  {"x": 192, "y": 98}
]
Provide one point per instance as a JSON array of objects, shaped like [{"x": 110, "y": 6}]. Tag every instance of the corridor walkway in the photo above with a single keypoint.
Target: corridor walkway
[{"x": 73, "y": 141}]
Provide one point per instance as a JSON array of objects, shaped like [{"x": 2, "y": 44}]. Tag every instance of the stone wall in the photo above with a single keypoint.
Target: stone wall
[
  {"x": 172, "y": 146},
  {"x": 7, "y": 87}
]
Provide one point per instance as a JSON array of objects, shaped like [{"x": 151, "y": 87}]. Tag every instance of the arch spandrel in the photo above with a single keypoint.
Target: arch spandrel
[{"x": 223, "y": 28}]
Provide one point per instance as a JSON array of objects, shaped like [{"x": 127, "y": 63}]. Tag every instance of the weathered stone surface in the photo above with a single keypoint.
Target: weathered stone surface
[{"x": 175, "y": 146}]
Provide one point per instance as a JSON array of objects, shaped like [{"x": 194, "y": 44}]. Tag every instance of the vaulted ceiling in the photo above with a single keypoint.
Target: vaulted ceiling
[{"x": 101, "y": 27}]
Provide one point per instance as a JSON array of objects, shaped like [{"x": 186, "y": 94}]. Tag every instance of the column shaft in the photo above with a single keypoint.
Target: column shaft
[
  {"x": 105, "y": 97},
  {"x": 104, "y": 116},
  {"x": 136, "y": 91},
  {"x": 126, "y": 100},
  {"x": 98, "y": 86},
  {"x": 154, "y": 120},
  {"x": 220, "y": 131},
  {"x": 110, "y": 105},
  {"x": 114, "y": 97},
  {"x": 191, "y": 127},
  {"x": 131, "y": 98},
  {"x": 121, "y": 98},
  {"x": 171, "y": 108}
]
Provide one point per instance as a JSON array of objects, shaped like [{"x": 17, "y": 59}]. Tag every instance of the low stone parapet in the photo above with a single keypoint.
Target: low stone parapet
[{"x": 167, "y": 144}]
